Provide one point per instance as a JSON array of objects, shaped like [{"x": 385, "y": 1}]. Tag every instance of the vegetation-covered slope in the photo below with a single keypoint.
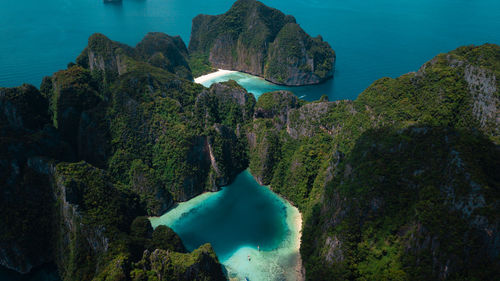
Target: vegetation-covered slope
[
  {"x": 263, "y": 41},
  {"x": 400, "y": 184},
  {"x": 147, "y": 138}
]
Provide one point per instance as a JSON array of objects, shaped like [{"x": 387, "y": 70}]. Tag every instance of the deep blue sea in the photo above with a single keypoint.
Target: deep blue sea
[{"x": 372, "y": 38}]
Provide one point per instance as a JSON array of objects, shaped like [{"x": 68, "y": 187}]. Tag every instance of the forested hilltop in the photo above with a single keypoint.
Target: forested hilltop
[
  {"x": 400, "y": 184},
  {"x": 262, "y": 41}
]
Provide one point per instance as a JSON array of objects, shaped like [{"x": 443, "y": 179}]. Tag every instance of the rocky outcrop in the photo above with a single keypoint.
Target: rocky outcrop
[
  {"x": 201, "y": 264},
  {"x": 306, "y": 121},
  {"x": 296, "y": 59},
  {"x": 198, "y": 158},
  {"x": 109, "y": 59},
  {"x": 276, "y": 105},
  {"x": 26, "y": 243},
  {"x": 105, "y": 57},
  {"x": 343, "y": 162},
  {"x": 166, "y": 52},
  {"x": 93, "y": 138},
  {"x": 486, "y": 101},
  {"x": 262, "y": 41},
  {"x": 71, "y": 92},
  {"x": 476, "y": 67},
  {"x": 225, "y": 102}
]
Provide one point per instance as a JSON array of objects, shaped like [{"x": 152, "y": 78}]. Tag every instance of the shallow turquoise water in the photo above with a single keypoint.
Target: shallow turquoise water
[
  {"x": 258, "y": 86},
  {"x": 373, "y": 38},
  {"x": 236, "y": 220}
]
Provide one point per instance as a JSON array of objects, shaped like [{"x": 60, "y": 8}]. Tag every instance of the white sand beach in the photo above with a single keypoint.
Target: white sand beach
[{"x": 210, "y": 76}]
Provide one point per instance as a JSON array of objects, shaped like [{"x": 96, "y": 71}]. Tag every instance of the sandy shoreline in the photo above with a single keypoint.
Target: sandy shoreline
[
  {"x": 210, "y": 76},
  {"x": 299, "y": 268}
]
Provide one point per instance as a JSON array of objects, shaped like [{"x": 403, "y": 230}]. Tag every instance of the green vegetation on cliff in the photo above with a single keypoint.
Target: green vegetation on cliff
[
  {"x": 400, "y": 184},
  {"x": 142, "y": 130},
  {"x": 263, "y": 41}
]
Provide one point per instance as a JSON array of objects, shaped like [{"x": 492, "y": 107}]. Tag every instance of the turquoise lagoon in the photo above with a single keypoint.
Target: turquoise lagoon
[
  {"x": 372, "y": 38},
  {"x": 237, "y": 221},
  {"x": 257, "y": 86}
]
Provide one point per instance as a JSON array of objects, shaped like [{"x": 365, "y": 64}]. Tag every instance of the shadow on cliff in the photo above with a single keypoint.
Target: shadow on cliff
[{"x": 416, "y": 202}]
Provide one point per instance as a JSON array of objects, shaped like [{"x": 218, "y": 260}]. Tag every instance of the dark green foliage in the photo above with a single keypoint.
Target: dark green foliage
[
  {"x": 399, "y": 200},
  {"x": 486, "y": 56},
  {"x": 287, "y": 47},
  {"x": 166, "y": 239},
  {"x": 27, "y": 143},
  {"x": 24, "y": 107},
  {"x": 163, "y": 51},
  {"x": 201, "y": 264},
  {"x": 112, "y": 59},
  {"x": 73, "y": 91},
  {"x": 101, "y": 214},
  {"x": 101, "y": 203},
  {"x": 141, "y": 227},
  {"x": 200, "y": 65},
  {"x": 27, "y": 212},
  {"x": 105, "y": 212}
]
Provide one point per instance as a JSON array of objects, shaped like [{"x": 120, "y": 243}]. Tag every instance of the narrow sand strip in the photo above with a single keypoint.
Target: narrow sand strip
[
  {"x": 210, "y": 76},
  {"x": 299, "y": 267}
]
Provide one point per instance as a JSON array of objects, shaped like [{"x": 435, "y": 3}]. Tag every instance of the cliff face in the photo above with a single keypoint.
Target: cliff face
[
  {"x": 225, "y": 109},
  {"x": 91, "y": 211},
  {"x": 27, "y": 143},
  {"x": 111, "y": 59},
  {"x": 271, "y": 115},
  {"x": 295, "y": 59},
  {"x": 262, "y": 41}
]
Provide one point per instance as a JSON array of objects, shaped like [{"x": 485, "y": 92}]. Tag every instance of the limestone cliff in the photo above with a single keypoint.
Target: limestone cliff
[
  {"x": 225, "y": 109},
  {"x": 262, "y": 41}
]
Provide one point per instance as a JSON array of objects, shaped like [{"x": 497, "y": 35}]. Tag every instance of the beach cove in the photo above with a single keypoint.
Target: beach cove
[{"x": 255, "y": 233}]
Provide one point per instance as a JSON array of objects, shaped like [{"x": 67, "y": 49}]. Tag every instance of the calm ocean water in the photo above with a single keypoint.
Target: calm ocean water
[{"x": 372, "y": 38}]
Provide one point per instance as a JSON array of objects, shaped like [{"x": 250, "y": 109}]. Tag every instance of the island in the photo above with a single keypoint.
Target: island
[{"x": 261, "y": 41}]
